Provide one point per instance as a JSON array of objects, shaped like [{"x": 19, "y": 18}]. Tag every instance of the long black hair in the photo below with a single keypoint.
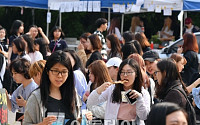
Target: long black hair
[
  {"x": 170, "y": 74},
  {"x": 15, "y": 27},
  {"x": 137, "y": 85},
  {"x": 67, "y": 90},
  {"x": 30, "y": 43}
]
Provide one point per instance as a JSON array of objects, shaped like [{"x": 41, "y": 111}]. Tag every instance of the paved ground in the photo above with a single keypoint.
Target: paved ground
[{"x": 11, "y": 119}]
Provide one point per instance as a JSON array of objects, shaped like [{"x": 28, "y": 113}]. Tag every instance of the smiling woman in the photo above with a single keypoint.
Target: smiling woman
[{"x": 57, "y": 89}]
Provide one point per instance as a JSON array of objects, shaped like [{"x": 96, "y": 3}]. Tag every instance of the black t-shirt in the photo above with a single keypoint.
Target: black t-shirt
[
  {"x": 11, "y": 38},
  {"x": 54, "y": 105}
]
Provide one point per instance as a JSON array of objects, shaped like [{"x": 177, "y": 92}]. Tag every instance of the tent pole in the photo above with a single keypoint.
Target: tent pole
[
  {"x": 47, "y": 31},
  {"x": 33, "y": 15},
  {"x": 122, "y": 24},
  {"x": 181, "y": 28},
  {"x": 109, "y": 15},
  {"x": 60, "y": 17}
]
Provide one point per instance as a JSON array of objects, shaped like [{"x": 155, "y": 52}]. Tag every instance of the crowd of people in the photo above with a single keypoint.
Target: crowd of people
[{"x": 114, "y": 79}]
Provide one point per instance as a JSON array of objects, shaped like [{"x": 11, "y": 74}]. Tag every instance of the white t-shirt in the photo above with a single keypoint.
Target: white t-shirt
[
  {"x": 170, "y": 32},
  {"x": 36, "y": 56},
  {"x": 189, "y": 30}
]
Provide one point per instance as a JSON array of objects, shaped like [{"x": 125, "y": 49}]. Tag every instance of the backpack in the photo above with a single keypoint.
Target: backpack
[{"x": 189, "y": 108}]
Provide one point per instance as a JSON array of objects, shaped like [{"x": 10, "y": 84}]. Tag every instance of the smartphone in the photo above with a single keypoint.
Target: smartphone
[
  {"x": 130, "y": 100},
  {"x": 18, "y": 115},
  {"x": 19, "y": 97}
]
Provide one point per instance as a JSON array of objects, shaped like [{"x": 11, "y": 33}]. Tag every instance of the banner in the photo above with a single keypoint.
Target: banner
[{"x": 3, "y": 108}]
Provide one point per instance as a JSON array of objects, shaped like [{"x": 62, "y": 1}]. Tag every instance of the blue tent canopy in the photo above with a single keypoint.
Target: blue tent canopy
[
  {"x": 42, "y": 4},
  {"x": 191, "y": 5}
]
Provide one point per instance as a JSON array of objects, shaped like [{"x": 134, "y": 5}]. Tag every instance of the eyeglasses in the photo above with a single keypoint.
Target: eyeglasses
[
  {"x": 56, "y": 72},
  {"x": 156, "y": 72},
  {"x": 126, "y": 73}
]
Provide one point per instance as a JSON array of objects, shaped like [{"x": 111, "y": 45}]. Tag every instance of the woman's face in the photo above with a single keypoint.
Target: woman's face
[
  {"x": 14, "y": 49},
  {"x": 58, "y": 74},
  {"x": 33, "y": 32},
  {"x": 91, "y": 76},
  {"x": 176, "y": 118},
  {"x": 2, "y": 33},
  {"x": 21, "y": 29},
  {"x": 127, "y": 73},
  {"x": 158, "y": 75},
  {"x": 151, "y": 66},
  {"x": 37, "y": 78},
  {"x": 57, "y": 34},
  {"x": 180, "y": 65},
  {"x": 89, "y": 45},
  {"x": 19, "y": 78},
  {"x": 108, "y": 43}
]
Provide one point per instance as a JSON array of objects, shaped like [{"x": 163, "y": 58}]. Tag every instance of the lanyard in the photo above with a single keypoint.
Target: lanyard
[{"x": 55, "y": 45}]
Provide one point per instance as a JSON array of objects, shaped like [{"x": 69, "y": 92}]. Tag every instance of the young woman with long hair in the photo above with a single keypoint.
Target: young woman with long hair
[
  {"x": 117, "y": 107},
  {"x": 16, "y": 30},
  {"x": 56, "y": 93},
  {"x": 98, "y": 75},
  {"x": 115, "y": 28},
  {"x": 190, "y": 51},
  {"x": 113, "y": 44}
]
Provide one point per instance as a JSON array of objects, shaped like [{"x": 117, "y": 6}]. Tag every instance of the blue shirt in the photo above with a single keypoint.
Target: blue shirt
[
  {"x": 24, "y": 92},
  {"x": 196, "y": 96},
  {"x": 80, "y": 85}
]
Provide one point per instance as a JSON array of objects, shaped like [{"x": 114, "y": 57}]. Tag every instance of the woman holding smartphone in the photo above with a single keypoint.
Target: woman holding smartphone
[{"x": 117, "y": 107}]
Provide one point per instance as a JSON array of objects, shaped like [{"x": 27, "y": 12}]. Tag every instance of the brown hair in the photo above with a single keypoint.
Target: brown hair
[
  {"x": 37, "y": 67},
  {"x": 141, "y": 63},
  {"x": 141, "y": 38},
  {"x": 115, "y": 22},
  {"x": 85, "y": 35},
  {"x": 95, "y": 41},
  {"x": 190, "y": 43},
  {"x": 135, "y": 22},
  {"x": 99, "y": 70},
  {"x": 178, "y": 57},
  {"x": 115, "y": 45}
]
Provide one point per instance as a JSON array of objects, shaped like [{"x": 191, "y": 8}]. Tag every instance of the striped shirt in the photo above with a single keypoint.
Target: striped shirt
[{"x": 103, "y": 42}]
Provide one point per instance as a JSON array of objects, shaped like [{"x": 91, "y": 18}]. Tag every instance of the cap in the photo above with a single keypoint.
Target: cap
[
  {"x": 115, "y": 61},
  {"x": 150, "y": 56},
  {"x": 188, "y": 20}
]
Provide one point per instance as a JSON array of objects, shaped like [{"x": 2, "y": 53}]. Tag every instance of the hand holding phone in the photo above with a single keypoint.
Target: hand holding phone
[
  {"x": 131, "y": 96},
  {"x": 20, "y": 101}
]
